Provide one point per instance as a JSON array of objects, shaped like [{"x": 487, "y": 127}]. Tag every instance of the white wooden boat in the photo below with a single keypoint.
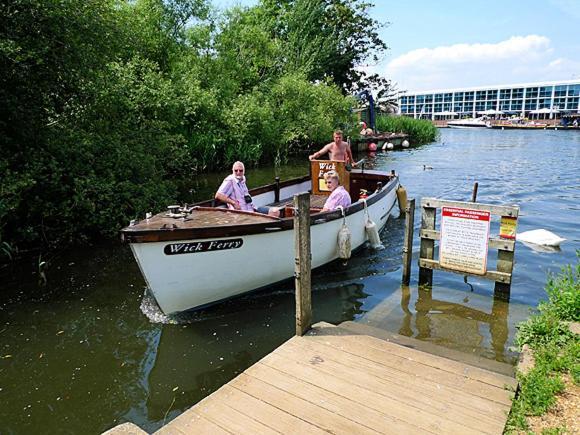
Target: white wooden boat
[{"x": 199, "y": 255}]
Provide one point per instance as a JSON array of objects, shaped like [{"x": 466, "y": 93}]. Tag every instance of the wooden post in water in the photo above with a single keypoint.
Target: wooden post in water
[
  {"x": 427, "y": 249},
  {"x": 408, "y": 242},
  {"x": 474, "y": 193},
  {"x": 302, "y": 271}
]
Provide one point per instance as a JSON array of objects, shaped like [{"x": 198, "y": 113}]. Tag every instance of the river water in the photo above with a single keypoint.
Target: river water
[{"x": 89, "y": 350}]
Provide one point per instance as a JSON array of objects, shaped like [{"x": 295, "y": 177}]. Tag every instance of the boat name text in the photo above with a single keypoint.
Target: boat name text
[{"x": 205, "y": 246}]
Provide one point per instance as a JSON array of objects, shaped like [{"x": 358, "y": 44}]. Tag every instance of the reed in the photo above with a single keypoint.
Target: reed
[{"x": 420, "y": 131}]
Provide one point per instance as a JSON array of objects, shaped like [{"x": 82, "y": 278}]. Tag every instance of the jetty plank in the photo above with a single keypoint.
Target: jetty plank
[
  {"x": 330, "y": 400},
  {"x": 351, "y": 345},
  {"x": 332, "y": 381},
  {"x": 411, "y": 391}
]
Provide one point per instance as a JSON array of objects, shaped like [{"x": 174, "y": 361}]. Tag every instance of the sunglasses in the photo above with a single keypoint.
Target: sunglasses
[{"x": 238, "y": 170}]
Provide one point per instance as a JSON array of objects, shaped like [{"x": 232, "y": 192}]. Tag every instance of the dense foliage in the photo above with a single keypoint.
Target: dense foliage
[
  {"x": 555, "y": 348},
  {"x": 105, "y": 103},
  {"x": 420, "y": 131}
]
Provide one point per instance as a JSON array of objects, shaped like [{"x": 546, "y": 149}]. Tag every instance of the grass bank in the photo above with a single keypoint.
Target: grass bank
[
  {"x": 420, "y": 131},
  {"x": 555, "y": 348}
]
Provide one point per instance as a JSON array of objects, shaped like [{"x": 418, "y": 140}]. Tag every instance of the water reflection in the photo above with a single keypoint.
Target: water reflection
[{"x": 457, "y": 320}]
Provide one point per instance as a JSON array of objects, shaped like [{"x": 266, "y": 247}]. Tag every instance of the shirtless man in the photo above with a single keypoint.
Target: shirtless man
[{"x": 338, "y": 150}]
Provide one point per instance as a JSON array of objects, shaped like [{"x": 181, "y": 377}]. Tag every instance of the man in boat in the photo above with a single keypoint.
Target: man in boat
[
  {"x": 234, "y": 192},
  {"x": 338, "y": 150},
  {"x": 338, "y": 194}
]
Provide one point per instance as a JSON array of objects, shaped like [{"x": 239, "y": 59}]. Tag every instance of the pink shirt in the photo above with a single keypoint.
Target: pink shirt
[
  {"x": 339, "y": 196},
  {"x": 236, "y": 189}
]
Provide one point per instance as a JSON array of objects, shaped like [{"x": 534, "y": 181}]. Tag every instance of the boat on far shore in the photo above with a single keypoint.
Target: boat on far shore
[{"x": 481, "y": 122}]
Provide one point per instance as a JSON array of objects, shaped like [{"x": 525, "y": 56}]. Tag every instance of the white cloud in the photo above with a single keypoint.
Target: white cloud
[{"x": 515, "y": 60}]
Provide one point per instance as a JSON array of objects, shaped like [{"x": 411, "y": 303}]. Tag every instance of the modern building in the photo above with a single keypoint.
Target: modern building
[{"x": 549, "y": 99}]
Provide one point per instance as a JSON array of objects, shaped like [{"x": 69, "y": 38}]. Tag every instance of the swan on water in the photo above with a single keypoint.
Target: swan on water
[{"x": 540, "y": 237}]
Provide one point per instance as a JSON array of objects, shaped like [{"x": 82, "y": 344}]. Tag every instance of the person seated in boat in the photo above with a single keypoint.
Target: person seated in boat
[
  {"x": 234, "y": 191},
  {"x": 338, "y": 194},
  {"x": 338, "y": 150}
]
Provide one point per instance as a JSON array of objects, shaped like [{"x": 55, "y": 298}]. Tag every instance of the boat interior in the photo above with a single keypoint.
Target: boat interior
[{"x": 213, "y": 213}]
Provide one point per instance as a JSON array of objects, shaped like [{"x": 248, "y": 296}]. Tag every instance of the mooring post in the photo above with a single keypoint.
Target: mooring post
[
  {"x": 474, "y": 193},
  {"x": 427, "y": 250},
  {"x": 505, "y": 263},
  {"x": 408, "y": 243},
  {"x": 302, "y": 271},
  {"x": 277, "y": 189}
]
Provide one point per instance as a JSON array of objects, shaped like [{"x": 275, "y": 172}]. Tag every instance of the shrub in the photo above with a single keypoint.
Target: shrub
[{"x": 420, "y": 131}]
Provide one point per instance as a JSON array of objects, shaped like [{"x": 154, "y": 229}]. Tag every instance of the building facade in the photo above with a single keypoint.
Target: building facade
[{"x": 550, "y": 99}]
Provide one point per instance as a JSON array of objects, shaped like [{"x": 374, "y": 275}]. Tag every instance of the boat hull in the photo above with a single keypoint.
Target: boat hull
[{"x": 194, "y": 275}]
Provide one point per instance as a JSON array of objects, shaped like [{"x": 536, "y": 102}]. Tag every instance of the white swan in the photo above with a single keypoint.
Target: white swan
[{"x": 540, "y": 237}]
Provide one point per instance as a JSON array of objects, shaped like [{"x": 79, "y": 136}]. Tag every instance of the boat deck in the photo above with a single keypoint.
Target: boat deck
[
  {"x": 334, "y": 380},
  {"x": 203, "y": 217}
]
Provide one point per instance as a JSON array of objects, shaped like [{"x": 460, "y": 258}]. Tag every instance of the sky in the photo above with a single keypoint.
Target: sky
[{"x": 449, "y": 44}]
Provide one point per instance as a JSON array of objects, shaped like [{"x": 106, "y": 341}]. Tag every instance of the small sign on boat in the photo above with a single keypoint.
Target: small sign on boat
[
  {"x": 464, "y": 239},
  {"x": 205, "y": 246}
]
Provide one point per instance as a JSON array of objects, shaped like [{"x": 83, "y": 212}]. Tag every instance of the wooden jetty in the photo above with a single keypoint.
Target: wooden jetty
[{"x": 333, "y": 379}]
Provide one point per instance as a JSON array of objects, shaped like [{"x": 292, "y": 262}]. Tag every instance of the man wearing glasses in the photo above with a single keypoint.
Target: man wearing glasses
[{"x": 233, "y": 190}]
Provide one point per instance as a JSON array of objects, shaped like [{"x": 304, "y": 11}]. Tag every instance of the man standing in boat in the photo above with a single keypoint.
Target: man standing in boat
[
  {"x": 338, "y": 150},
  {"x": 233, "y": 190}
]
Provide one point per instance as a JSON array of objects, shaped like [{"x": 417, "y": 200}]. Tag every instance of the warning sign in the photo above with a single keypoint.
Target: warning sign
[
  {"x": 464, "y": 239},
  {"x": 507, "y": 227}
]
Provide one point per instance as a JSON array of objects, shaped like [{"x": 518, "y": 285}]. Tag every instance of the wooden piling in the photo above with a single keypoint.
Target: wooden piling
[
  {"x": 474, "y": 193},
  {"x": 408, "y": 243},
  {"x": 427, "y": 250},
  {"x": 302, "y": 272}
]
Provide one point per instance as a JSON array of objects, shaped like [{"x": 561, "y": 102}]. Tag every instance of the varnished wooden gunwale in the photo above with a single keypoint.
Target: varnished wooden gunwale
[{"x": 134, "y": 234}]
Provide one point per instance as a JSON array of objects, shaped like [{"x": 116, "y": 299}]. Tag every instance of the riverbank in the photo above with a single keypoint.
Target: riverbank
[{"x": 549, "y": 396}]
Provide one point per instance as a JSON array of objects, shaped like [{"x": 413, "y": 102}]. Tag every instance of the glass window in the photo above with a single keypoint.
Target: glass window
[
  {"x": 447, "y": 107},
  {"x": 480, "y": 106},
  {"x": 573, "y": 90},
  {"x": 492, "y": 95},
  {"x": 516, "y": 105},
  {"x": 403, "y": 108},
  {"x": 469, "y": 96},
  {"x": 544, "y": 103},
  {"x": 438, "y": 107},
  {"x": 438, "y": 98},
  {"x": 429, "y": 98},
  {"x": 531, "y": 92},
  {"x": 531, "y": 104},
  {"x": 419, "y": 108},
  {"x": 404, "y": 100},
  {"x": 490, "y": 105},
  {"x": 546, "y": 91},
  {"x": 458, "y": 107},
  {"x": 504, "y": 105},
  {"x": 420, "y": 98},
  {"x": 518, "y": 93},
  {"x": 560, "y": 91},
  {"x": 505, "y": 94},
  {"x": 468, "y": 107},
  {"x": 480, "y": 95},
  {"x": 458, "y": 96},
  {"x": 411, "y": 99},
  {"x": 448, "y": 98},
  {"x": 572, "y": 103}
]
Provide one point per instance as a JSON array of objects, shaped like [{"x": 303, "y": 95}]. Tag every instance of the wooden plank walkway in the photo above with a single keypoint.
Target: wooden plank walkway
[{"x": 335, "y": 380}]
